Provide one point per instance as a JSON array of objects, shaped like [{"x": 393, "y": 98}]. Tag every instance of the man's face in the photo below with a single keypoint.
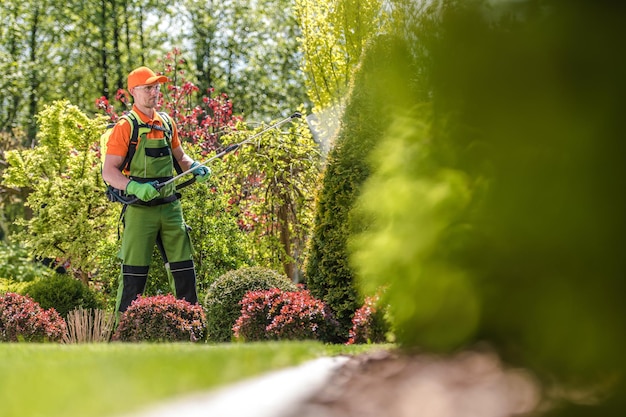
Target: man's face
[{"x": 147, "y": 95}]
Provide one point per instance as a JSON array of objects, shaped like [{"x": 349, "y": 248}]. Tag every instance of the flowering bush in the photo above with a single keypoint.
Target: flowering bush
[
  {"x": 368, "y": 323},
  {"x": 22, "y": 319},
  {"x": 161, "y": 318},
  {"x": 274, "y": 314}
]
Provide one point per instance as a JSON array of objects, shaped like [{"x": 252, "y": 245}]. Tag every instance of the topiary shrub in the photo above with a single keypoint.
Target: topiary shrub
[
  {"x": 369, "y": 324},
  {"x": 223, "y": 297},
  {"x": 275, "y": 315},
  {"x": 63, "y": 293},
  {"x": 22, "y": 319},
  {"x": 161, "y": 318}
]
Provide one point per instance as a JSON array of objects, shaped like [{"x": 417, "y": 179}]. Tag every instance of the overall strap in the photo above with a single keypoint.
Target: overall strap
[
  {"x": 177, "y": 166},
  {"x": 134, "y": 138},
  {"x": 168, "y": 137}
]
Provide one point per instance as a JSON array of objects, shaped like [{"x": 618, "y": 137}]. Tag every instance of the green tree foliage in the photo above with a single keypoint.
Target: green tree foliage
[
  {"x": 334, "y": 34},
  {"x": 272, "y": 182},
  {"x": 248, "y": 49},
  {"x": 329, "y": 273},
  {"x": 28, "y": 33},
  {"x": 492, "y": 208},
  {"x": 69, "y": 209},
  {"x": 238, "y": 47},
  {"x": 80, "y": 62}
]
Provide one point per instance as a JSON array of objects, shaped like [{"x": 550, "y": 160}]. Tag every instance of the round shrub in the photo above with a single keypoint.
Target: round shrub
[
  {"x": 161, "y": 318},
  {"x": 22, "y": 319},
  {"x": 63, "y": 293},
  {"x": 277, "y": 315},
  {"x": 223, "y": 297}
]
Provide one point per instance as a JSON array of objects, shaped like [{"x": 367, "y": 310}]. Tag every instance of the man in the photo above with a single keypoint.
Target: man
[{"x": 158, "y": 214}]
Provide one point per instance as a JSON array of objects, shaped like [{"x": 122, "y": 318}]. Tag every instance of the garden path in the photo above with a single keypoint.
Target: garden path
[
  {"x": 377, "y": 384},
  {"x": 387, "y": 384},
  {"x": 272, "y": 395}
]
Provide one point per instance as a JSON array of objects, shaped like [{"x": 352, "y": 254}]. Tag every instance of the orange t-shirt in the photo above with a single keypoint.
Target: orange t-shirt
[{"x": 120, "y": 135}]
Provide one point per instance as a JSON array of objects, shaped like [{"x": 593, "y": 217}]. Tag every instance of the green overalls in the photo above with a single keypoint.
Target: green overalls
[{"x": 159, "y": 219}]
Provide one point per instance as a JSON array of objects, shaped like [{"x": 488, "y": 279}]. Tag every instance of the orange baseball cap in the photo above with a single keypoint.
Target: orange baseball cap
[{"x": 144, "y": 76}]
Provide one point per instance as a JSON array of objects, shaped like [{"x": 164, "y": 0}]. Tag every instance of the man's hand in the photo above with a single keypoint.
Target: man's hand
[
  {"x": 144, "y": 192},
  {"x": 202, "y": 173}
]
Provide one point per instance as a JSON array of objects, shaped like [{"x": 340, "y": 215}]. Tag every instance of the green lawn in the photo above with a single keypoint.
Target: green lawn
[{"x": 50, "y": 380}]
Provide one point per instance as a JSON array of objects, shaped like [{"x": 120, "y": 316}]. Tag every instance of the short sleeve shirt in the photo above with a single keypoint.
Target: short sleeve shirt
[{"x": 120, "y": 135}]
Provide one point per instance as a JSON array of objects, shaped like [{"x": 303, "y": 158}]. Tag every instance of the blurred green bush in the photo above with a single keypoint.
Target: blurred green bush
[{"x": 495, "y": 209}]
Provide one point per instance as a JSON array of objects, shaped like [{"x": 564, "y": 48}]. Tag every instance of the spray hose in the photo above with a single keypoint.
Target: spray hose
[{"x": 116, "y": 195}]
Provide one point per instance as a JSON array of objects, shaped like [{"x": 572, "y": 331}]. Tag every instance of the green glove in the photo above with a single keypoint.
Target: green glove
[
  {"x": 202, "y": 173},
  {"x": 144, "y": 192}
]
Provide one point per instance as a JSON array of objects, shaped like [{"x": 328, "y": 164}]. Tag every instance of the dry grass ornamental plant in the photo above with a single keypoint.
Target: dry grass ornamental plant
[{"x": 89, "y": 326}]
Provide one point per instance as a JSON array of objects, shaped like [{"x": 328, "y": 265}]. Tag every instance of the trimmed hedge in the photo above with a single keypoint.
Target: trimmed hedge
[
  {"x": 367, "y": 116},
  {"x": 223, "y": 297},
  {"x": 63, "y": 293}
]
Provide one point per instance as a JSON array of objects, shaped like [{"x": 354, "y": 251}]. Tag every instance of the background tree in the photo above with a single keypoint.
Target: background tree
[
  {"x": 243, "y": 49},
  {"x": 272, "y": 182},
  {"x": 70, "y": 212},
  {"x": 52, "y": 50},
  {"x": 29, "y": 33},
  {"x": 334, "y": 35},
  {"x": 330, "y": 276}
]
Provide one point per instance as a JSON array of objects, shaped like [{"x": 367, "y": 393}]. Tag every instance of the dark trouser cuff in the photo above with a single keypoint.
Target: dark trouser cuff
[
  {"x": 135, "y": 278},
  {"x": 184, "y": 275}
]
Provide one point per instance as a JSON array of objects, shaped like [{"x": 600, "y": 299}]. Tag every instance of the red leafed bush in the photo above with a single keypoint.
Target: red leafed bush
[
  {"x": 257, "y": 309},
  {"x": 161, "y": 318},
  {"x": 368, "y": 323},
  {"x": 22, "y": 319},
  {"x": 275, "y": 314}
]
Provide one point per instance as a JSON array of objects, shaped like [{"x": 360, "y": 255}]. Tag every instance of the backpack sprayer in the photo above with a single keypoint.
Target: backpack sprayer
[{"x": 230, "y": 148}]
